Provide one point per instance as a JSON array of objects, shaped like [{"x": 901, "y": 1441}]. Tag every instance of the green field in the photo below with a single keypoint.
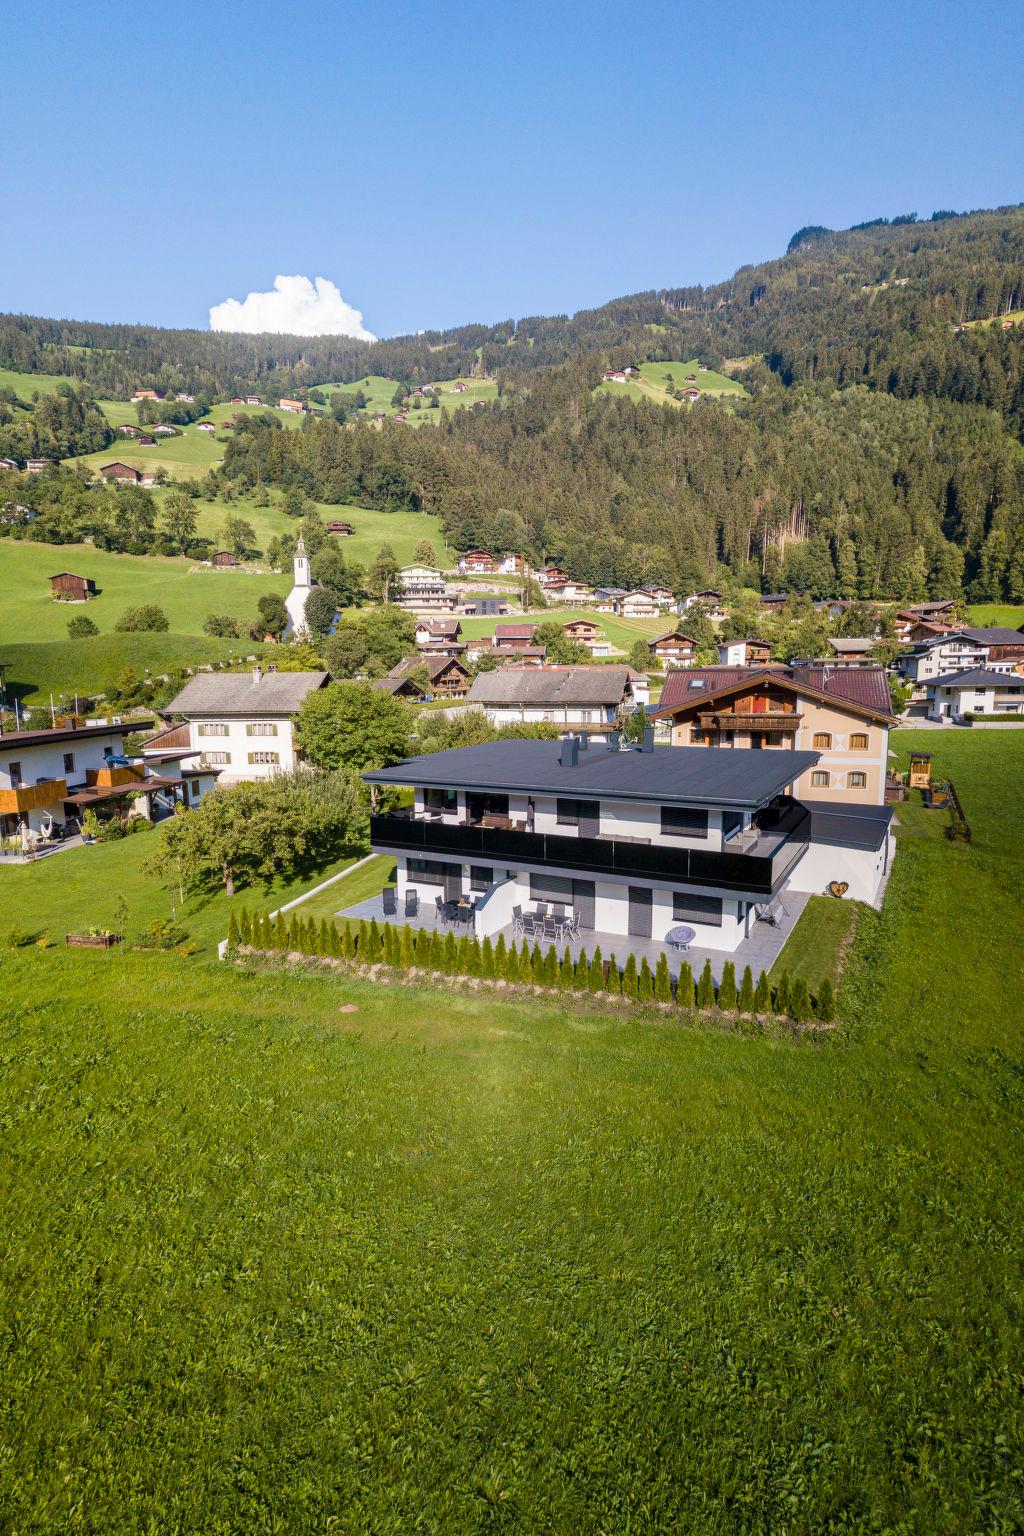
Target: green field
[
  {"x": 620, "y": 632},
  {"x": 186, "y": 457},
  {"x": 446, "y": 1263},
  {"x": 654, "y": 380},
  {"x": 1006, "y": 615},
  {"x": 379, "y": 392},
  {"x": 39, "y": 669}
]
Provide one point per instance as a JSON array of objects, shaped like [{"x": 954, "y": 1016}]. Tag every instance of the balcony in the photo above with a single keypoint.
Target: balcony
[
  {"x": 749, "y": 720},
  {"x": 757, "y": 874},
  {"x": 32, "y": 797}
]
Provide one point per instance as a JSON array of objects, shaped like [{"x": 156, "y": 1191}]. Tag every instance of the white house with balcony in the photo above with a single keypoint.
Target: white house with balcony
[
  {"x": 243, "y": 723},
  {"x": 975, "y": 691},
  {"x": 668, "y": 846}
]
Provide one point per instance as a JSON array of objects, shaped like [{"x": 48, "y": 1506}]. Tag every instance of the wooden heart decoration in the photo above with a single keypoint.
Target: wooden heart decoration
[{"x": 838, "y": 887}]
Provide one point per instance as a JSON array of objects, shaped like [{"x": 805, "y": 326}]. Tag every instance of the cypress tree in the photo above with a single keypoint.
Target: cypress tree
[
  {"x": 582, "y": 971},
  {"x": 645, "y": 983},
  {"x": 629, "y": 979},
  {"x": 232, "y": 931},
  {"x": 800, "y": 1001},
  {"x": 662, "y": 980},
  {"x": 762, "y": 995},
  {"x": 614, "y": 982},
  {"x": 783, "y": 994},
  {"x": 345, "y": 941},
  {"x": 335, "y": 940},
  {"x": 501, "y": 959},
  {"x": 595, "y": 980},
  {"x": 323, "y": 946},
  {"x": 524, "y": 969},
  {"x": 826, "y": 1001},
  {"x": 293, "y": 933},
  {"x": 487, "y": 959},
  {"x": 262, "y": 932},
  {"x": 684, "y": 985},
  {"x": 462, "y": 959},
  {"x": 537, "y": 966},
  {"x": 436, "y": 951},
  {"x": 551, "y": 967},
  {"x": 450, "y": 954},
  {"x": 727, "y": 987},
  {"x": 244, "y": 926},
  {"x": 374, "y": 943},
  {"x": 405, "y": 954},
  {"x": 566, "y": 972},
  {"x": 475, "y": 958},
  {"x": 706, "y": 987},
  {"x": 745, "y": 1000}
]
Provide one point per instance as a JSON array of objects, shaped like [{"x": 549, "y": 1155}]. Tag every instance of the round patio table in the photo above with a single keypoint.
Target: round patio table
[{"x": 680, "y": 937}]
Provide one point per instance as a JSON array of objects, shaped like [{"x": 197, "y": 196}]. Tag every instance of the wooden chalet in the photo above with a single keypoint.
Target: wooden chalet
[{"x": 66, "y": 587}]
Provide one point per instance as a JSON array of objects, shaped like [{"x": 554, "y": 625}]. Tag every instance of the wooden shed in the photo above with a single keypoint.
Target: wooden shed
[{"x": 66, "y": 587}]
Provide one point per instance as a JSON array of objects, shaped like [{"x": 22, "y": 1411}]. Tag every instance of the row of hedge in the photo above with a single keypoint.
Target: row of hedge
[{"x": 405, "y": 948}]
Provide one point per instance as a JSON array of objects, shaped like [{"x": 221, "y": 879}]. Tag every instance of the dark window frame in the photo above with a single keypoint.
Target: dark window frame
[
  {"x": 476, "y": 872},
  {"x": 689, "y": 822},
  {"x": 687, "y": 907},
  {"x": 565, "y": 817}
]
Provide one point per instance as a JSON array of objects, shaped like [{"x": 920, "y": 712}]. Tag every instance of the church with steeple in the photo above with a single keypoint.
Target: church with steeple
[{"x": 295, "y": 602}]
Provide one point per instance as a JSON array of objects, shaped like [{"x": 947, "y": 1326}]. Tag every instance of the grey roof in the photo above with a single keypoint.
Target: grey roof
[
  {"x": 848, "y": 646},
  {"x": 848, "y": 826},
  {"x": 668, "y": 775},
  {"x": 551, "y": 685},
  {"x": 238, "y": 694},
  {"x": 995, "y": 636},
  {"x": 977, "y": 677}
]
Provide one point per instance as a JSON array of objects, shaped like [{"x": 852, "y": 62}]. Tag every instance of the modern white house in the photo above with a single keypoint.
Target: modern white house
[
  {"x": 49, "y": 778},
  {"x": 593, "y": 698},
  {"x": 955, "y": 652},
  {"x": 242, "y": 723},
  {"x": 423, "y": 590},
  {"x": 632, "y": 842},
  {"x": 975, "y": 691}
]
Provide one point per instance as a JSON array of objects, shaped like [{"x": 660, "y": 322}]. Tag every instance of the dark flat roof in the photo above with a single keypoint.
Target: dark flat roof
[
  {"x": 9, "y": 740},
  {"x": 848, "y": 826},
  {"x": 684, "y": 775}
]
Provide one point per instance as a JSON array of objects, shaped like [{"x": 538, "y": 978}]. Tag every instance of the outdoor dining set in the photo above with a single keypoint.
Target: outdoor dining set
[{"x": 546, "y": 920}]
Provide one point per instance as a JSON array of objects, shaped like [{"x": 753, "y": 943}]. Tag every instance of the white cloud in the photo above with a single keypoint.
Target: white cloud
[{"x": 296, "y": 307}]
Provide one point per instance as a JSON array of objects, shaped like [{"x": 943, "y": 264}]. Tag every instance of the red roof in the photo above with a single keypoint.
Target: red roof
[
  {"x": 865, "y": 688},
  {"x": 514, "y": 631}
]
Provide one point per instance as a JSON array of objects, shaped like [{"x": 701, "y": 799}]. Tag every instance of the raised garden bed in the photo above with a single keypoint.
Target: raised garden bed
[{"x": 92, "y": 940}]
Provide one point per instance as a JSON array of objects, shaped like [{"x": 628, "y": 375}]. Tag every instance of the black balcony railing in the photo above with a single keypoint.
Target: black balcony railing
[{"x": 753, "y": 874}]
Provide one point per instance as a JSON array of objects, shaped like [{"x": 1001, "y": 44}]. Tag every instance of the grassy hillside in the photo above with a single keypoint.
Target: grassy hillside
[
  {"x": 37, "y": 669},
  {"x": 379, "y": 392},
  {"x": 466, "y": 1265},
  {"x": 1006, "y": 615},
  {"x": 654, "y": 379},
  {"x": 187, "y": 456},
  {"x": 620, "y": 632}
]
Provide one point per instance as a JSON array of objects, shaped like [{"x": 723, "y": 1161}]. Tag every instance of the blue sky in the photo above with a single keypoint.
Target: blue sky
[{"x": 445, "y": 164}]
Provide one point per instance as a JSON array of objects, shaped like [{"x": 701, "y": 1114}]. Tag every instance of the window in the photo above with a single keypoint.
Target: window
[
  {"x": 822, "y": 741},
  {"x": 697, "y": 737},
  {"x": 14, "y": 769},
  {"x": 261, "y": 728},
  {"x": 687, "y": 908},
  {"x": 567, "y": 813},
  {"x": 859, "y": 741},
  {"x": 264, "y": 757},
  {"x": 480, "y": 877},
  {"x": 211, "y": 728},
  {"x": 215, "y": 759},
  {"x": 195, "y": 789},
  {"x": 69, "y": 762},
  {"x": 819, "y": 779},
  {"x": 856, "y": 781},
  {"x": 431, "y": 871},
  {"x": 440, "y": 800},
  {"x": 680, "y": 821}
]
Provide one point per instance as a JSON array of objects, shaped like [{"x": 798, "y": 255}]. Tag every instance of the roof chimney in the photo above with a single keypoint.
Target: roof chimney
[
  {"x": 647, "y": 745},
  {"x": 570, "y": 754},
  {"x": 256, "y": 675}
]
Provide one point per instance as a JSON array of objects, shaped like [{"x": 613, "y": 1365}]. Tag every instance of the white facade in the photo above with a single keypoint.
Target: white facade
[
  {"x": 950, "y": 653},
  {"x": 245, "y": 749},
  {"x": 1001, "y": 694}
]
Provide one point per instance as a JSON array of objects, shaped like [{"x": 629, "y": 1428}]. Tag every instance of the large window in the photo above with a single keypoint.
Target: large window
[
  {"x": 480, "y": 877},
  {"x": 264, "y": 759},
  {"x": 430, "y": 871},
  {"x": 856, "y": 781},
  {"x": 859, "y": 741},
  {"x": 822, "y": 741},
  {"x": 69, "y": 762},
  {"x": 212, "y": 728},
  {"x": 261, "y": 728},
  {"x": 215, "y": 759},
  {"x": 444, "y": 800},
  {"x": 687, "y": 908},
  {"x": 819, "y": 779},
  {"x": 567, "y": 813},
  {"x": 14, "y": 769},
  {"x": 681, "y": 821}
]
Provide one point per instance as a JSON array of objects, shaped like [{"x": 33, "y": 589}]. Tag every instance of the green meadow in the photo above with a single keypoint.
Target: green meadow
[
  {"x": 379, "y": 392},
  {"x": 287, "y": 1252},
  {"x": 622, "y": 633},
  {"x": 654, "y": 380},
  {"x": 40, "y": 669}
]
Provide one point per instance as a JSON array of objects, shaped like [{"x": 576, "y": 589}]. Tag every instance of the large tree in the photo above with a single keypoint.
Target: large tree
[
  {"x": 353, "y": 725},
  {"x": 179, "y": 518}
]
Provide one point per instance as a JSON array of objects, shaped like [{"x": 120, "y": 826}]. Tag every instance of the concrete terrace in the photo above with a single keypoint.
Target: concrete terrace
[{"x": 759, "y": 951}]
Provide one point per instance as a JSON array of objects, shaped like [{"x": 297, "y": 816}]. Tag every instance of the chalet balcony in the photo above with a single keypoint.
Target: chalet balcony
[
  {"x": 748, "y": 720},
  {"x": 32, "y": 797},
  {"x": 756, "y": 874}
]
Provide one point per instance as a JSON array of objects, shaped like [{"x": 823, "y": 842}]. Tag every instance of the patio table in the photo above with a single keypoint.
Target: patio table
[{"x": 680, "y": 937}]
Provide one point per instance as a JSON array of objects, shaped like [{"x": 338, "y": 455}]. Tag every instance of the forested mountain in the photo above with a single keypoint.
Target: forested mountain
[{"x": 879, "y": 452}]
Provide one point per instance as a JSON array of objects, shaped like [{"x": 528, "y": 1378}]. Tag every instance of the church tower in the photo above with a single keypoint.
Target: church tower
[{"x": 295, "y": 602}]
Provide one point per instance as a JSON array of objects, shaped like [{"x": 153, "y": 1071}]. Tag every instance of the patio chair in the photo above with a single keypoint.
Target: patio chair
[
  {"x": 412, "y": 903},
  {"x": 518, "y": 921},
  {"x": 390, "y": 900},
  {"x": 441, "y": 909},
  {"x": 572, "y": 926}
]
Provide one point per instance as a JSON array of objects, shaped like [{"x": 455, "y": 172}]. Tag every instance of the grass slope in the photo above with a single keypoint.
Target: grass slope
[
  {"x": 620, "y": 632},
  {"x": 185, "y": 457},
  {"x": 38, "y": 669},
  {"x": 655, "y": 377},
  {"x": 461, "y": 1265}
]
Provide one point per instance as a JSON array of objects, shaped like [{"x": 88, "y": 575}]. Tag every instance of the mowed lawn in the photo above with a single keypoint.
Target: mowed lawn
[
  {"x": 445, "y": 1263},
  {"x": 185, "y": 457},
  {"x": 622, "y": 633}
]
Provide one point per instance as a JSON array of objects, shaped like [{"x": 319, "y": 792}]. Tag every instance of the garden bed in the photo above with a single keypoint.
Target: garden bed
[{"x": 92, "y": 940}]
